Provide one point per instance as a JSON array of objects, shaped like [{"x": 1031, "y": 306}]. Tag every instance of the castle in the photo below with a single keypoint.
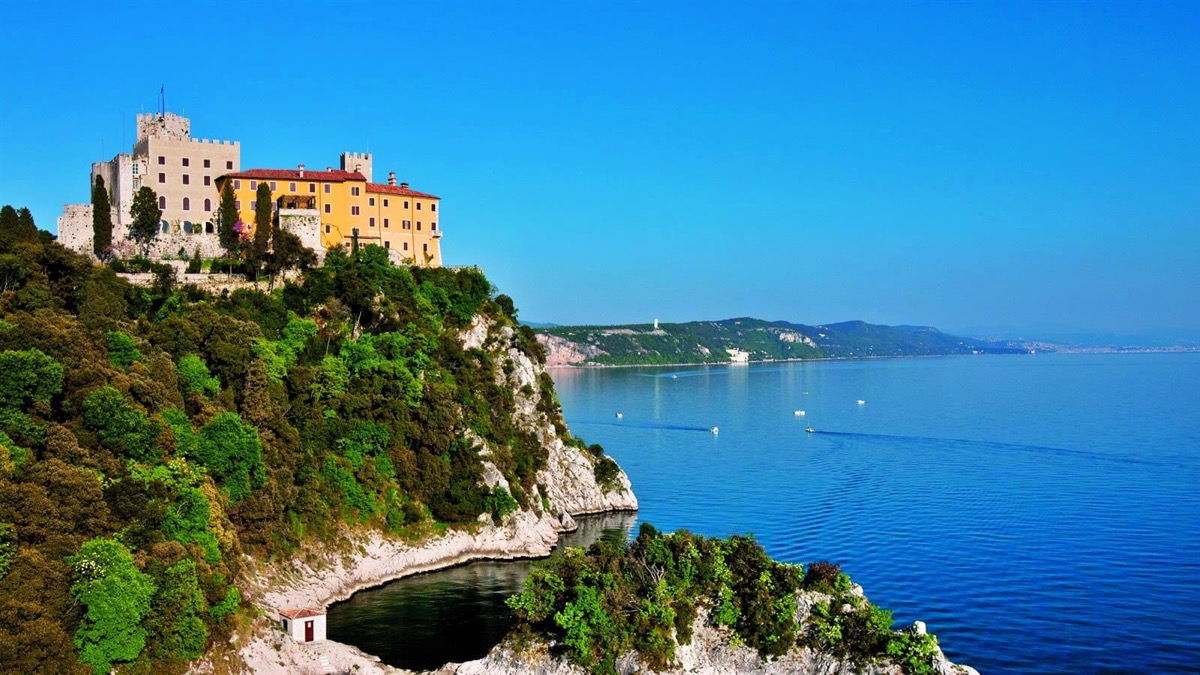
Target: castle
[{"x": 325, "y": 209}]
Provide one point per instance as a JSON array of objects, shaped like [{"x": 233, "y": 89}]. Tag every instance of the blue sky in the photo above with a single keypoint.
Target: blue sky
[{"x": 1015, "y": 165}]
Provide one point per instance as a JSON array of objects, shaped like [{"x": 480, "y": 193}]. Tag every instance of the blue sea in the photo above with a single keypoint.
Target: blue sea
[{"x": 1041, "y": 513}]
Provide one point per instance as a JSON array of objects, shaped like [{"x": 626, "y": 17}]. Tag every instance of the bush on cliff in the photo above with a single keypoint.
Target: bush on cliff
[{"x": 643, "y": 597}]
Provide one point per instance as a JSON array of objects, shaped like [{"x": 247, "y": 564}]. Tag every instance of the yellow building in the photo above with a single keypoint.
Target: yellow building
[{"x": 348, "y": 205}]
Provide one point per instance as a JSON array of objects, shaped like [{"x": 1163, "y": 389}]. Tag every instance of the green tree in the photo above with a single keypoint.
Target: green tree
[
  {"x": 122, "y": 350},
  {"x": 231, "y": 451},
  {"x": 8, "y": 225},
  {"x": 146, "y": 217},
  {"x": 122, "y": 428},
  {"x": 227, "y": 217},
  {"x": 28, "y": 375},
  {"x": 263, "y": 224},
  {"x": 26, "y": 228},
  {"x": 117, "y": 597},
  {"x": 101, "y": 219},
  {"x": 193, "y": 372}
]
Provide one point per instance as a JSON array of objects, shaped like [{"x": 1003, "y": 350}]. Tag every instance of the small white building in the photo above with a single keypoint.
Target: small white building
[{"x": 306, "y": 624}]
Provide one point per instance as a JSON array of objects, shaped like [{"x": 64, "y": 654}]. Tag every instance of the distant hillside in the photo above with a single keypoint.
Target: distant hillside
[{"x": 748, "y": 339}]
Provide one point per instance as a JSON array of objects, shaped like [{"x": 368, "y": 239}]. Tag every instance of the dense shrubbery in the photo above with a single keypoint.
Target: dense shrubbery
[
  {"x": 150, "y": 436},
  {"x": 644, "y": 597}
]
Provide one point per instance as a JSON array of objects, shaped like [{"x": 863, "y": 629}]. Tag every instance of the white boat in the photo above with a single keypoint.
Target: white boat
[
  {"x": 799, "y": 413},
  {"x": 620, "y": 416},
  {"x": 715, "y": 431},
  {"x": 810, "y": 430},
  {"x": 861, "y": 402}
]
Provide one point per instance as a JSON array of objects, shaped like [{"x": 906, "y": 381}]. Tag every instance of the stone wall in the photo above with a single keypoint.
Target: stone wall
[
  {"x": 75, "y": 227},
  {"x": 169, "y": 125},
  {"x": 357, "y": 161}
]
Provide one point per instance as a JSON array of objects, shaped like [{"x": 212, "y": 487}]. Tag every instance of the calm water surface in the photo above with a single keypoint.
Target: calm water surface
[{"x": 1040, "y": 513}]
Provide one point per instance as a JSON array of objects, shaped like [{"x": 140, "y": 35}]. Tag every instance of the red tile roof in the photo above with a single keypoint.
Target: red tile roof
[
  {"x": 397, "y": 190},
  {"x": 334, "y": 176},
  {"x": 302, "y": 613}
]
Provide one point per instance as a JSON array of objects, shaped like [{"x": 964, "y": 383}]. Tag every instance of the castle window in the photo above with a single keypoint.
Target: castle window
[
  {"x": 327, "y": 188},
  {"x": 186, "y": 179},
  {"x": 273, "y": 186},
  {"x": 187, "y": 204},
  {"x": 253, "y": 185},
  {"x": 433, "y": 206},
  {"x": 237, "y": 185},
  {"x": 312, "y": 187},
  {"x": 208, "y": 180},
  {"x": 185, "y": 161},
  {"x": 229, "y": 165},
  {"x": 291, "y": 187},
  {"x": 162, "y": 203},
  {"x": 418, "y": 226},
  {"x": 372, "y": 222},
  {"x": 162, "y": 160},
  {"x": 408, "y": 224},
  {"x": 355, "y": 231},
  {"x": 406, "y": 246},
  {"x": 387, "y": 244},
  {"x": 385, "y": 222},
  {"x": 208, "y": 205},
  {"x": 162, "y": 177},
  {"x": 418, "y": 206},
  {"x": 238, "y": 205},
  {"x": 135, "y": 168},
  {"x": 371, "y": 201},
  {"x": 327, "y": 229},
  {"x": 425, "y": 248},
  {"x": 354, "y": 191},
  {"x": 328, "y": 208},
  {"x": 385, "y": 201},
  {"x": 406, "y": 203},
  {"x": 433, "y": 226},
  {"x": 354, "y": 210},
  {"x": 208, "y": 227},
  {"x": 207, "y": 164}
]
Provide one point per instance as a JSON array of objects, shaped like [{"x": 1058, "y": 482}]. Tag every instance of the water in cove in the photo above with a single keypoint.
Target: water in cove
[{"x": 1041, "y": 513}]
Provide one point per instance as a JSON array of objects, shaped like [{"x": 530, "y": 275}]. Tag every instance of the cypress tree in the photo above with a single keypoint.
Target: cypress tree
[
  {"x": 26, "y": 229},
  {"x": 8, "y": 225},
  {"x": 101, "y": 218},
  {"x": 146, "y": 217},
  {"x": 262, "y": 223},
  {"x": 227, "y": 216}
]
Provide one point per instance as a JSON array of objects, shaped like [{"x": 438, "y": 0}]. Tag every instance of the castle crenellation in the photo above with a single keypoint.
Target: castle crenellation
[{"x": 324, "y": 208}]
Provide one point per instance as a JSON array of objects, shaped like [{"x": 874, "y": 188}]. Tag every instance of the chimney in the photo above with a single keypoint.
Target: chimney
[
  {"x": 391, "y": 178},
  {"x": 302, "y": 171},
  {"x": 404, "y": 186}
]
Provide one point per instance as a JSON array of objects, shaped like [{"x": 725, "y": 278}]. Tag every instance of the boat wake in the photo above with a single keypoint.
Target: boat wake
[
  {"x": 641, "y": 425},
  {"x": 993, "y": 445}
]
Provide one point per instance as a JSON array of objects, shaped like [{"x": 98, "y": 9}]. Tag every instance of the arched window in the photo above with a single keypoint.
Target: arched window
[
  {"x": 187, "y": 204},
  {"x": 164, "y": 226},
  {"x": 208, "y": 205},
  {"x": 208, "y": 227},
  {"x": 162, "y": 202},
  {"x": 187, "y": 225}
]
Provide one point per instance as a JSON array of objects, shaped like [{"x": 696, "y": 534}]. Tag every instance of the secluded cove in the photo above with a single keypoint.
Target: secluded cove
[
  {"x": 452, "y": 615},
  {"x": 1038, "y": 512}
]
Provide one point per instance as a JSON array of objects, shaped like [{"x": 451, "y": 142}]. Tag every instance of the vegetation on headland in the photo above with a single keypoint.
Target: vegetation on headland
[
  {"x": 710, "y": 341},
  {"x": 149, "y": 437},
  {"x": 644, "y": 596}
]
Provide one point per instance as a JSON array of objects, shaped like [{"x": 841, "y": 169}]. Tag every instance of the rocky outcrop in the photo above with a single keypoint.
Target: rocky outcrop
[
  {"x": 711, "y": 651},
  {"x": 562, "y": 352}
]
